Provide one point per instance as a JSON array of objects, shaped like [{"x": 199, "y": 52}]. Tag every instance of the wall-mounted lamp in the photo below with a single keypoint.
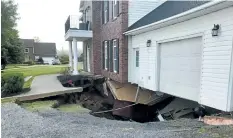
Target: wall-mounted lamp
[
  {"x": 215, "y": 30},
  {"x": 148, "y": 43}
]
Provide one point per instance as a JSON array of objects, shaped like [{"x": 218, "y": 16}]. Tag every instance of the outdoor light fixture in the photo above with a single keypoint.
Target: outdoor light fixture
[
  {"x": 148, "y": 43},
  {"x": 215, "y": 30}
]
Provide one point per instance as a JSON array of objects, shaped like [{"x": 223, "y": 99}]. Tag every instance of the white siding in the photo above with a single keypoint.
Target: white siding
[
  {"x": 139, "y": 8},
  {"x": 216, "y": 54}
]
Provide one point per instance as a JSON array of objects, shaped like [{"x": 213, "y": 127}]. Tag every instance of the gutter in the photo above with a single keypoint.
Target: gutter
[{"x": 207, "y": 5}]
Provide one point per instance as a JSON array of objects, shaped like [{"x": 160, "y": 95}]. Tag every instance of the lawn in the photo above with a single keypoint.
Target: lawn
[{"x": 36, "y": 70}]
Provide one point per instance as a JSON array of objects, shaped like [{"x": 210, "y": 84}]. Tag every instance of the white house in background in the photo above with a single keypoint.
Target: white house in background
[{"x": 176, "y": 49}]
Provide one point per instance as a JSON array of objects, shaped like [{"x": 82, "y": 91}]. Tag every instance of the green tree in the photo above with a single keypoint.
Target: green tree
[
  {"x": 11, "y": 47},
  {"x": 64, "y": 59}
]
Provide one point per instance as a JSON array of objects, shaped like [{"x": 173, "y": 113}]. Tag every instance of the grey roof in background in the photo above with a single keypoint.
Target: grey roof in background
[
  {"x": 45, "y": 49},
  {"x": 27, "y": 42},
  {"x": 166, "y": 10}
]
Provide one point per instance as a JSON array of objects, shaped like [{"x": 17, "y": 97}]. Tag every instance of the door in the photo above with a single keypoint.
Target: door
[
  {"x": 136, "y": 65},
  {"x": 180, "y": 68},
  {"x": 88, "y": 58}
]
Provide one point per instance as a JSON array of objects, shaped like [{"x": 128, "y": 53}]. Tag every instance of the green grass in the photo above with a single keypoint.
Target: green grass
[
  {"x": 36, "y": 70},
  {"x": 72, "y": 108},
  {"x": 8, "y": 100},
  {"x": 27, "y": 84},
  {"x": 38, "y": 105}
]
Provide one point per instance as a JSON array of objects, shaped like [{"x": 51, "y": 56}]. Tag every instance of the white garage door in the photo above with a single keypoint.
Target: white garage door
[
  {"x": 48, "y": 60},
  {"x": 180, "y": 68}
]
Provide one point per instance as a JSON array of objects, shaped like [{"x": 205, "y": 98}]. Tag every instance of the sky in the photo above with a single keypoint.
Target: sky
[{"x": 46, "y": 19}]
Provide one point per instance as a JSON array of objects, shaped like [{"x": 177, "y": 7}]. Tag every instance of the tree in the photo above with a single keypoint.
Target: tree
[
  {"x": 11, "y": 47},
  {"x": 80, "y": 58},
  {"x": 64, "y": 59},
  {"x": 40, "y": 60},
  {"x": 36, "y": 39}
]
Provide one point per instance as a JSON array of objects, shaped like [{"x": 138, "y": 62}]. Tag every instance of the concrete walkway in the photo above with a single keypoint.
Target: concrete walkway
[{"x": 46, "y": 86}]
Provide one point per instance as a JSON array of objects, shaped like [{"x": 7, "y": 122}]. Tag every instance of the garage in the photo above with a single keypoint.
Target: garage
[
  {"x": 180, "y": 68},
  {"x": 48, "y": 60}
]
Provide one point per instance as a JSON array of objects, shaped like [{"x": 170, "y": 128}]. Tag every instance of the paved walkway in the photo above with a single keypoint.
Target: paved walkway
[{"x": 46, "y": 86}]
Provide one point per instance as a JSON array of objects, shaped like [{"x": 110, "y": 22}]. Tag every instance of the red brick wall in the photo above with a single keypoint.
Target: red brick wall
[
  {"x": 113, "y": 29},
  {"x": 95, "y": 63}
]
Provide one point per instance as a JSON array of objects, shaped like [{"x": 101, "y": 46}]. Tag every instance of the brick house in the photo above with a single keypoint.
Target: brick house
[
  {"x": 101, "y": 29},
  {"x": 110, "y": 22}
]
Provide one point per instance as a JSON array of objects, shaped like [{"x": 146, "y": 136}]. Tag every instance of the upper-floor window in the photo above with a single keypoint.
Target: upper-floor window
[
  {"x": 105, "y": 15},
  {"x": 115, "y": 8},
  {"x": 115, "y": 56},
  {"x": 106, "y": 54},
  {"x": 26, "y": 50}
]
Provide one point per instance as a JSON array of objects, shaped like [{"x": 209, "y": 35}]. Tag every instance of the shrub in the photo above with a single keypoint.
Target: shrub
[
  {"x": 64, "y": 59},
  {"x": 11, "y": 84},
  {"x": 40, "y": 60},
  {"x": 29, "y": 62}
]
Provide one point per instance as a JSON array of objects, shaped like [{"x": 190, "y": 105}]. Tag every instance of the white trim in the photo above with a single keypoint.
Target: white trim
[
  {"x": 105, "y": 15},
  {"x": 114, "y": 3},
  {"x": 114, "y": 59},
  {"x": 182, "y": 15},
  {"x": 80, "y": 35},
  {"x": 26, "y": 50},
  {"x": 105, "y": 54},
  {"x": 181, "y": 37},
  {"x": 158, "y": 67},
  {"x": 230, "y": 85}
]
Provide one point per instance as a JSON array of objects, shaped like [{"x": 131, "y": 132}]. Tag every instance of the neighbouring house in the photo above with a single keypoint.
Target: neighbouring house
[
  {"x": 33, "y": 50},
  {"x": 185, "y": 49}
]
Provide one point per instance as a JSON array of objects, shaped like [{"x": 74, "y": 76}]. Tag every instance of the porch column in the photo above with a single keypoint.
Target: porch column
[
  {"x": 70, "y": 56},
  {"x": 75, "y": 53}
]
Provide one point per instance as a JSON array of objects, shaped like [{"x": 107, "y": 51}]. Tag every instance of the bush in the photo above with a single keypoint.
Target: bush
[
  {"x": 65, "y": 62},
  {"x": 40, "y": 60},
  {"x": 64, "y": 59},
  {"x": 11, "y": 84},
  {"x": 29, "y": 62}
]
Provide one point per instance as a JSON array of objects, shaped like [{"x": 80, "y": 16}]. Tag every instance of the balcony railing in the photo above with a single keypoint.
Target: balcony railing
[{"x": 73, "y": 22}]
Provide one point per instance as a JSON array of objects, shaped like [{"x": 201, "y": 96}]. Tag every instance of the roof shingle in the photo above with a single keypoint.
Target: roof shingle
[{"x": 166, "y": 10}]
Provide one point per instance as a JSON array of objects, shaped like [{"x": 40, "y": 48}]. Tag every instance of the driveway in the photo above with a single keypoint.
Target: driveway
[{"x": 18, "y": 122}]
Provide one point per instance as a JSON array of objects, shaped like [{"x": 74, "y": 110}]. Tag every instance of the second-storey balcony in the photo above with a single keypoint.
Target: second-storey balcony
[{"x": 76, "y": 29}]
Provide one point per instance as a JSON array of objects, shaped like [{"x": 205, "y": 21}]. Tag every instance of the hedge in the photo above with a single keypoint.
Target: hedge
[{"x": 12, "y": 84}]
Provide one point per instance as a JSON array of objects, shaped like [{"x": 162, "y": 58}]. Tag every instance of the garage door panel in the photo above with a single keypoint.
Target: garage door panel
[{"x": 180, "y": 65}]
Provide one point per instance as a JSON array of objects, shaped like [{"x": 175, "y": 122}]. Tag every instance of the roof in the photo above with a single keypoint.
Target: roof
[
  {"x": 166, "y": 10},
  {"x": 27, "y": 42},
  {"x": 45, "y": 49}
]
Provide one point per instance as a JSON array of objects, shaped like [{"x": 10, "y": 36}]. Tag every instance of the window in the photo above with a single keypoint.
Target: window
[
  {"x": 105, "y": 11},
  {"x": 26, "y": 50},
  {"x": 137, "y": 58},
  {"x": 37, "y": 57},
  {"x": 115, "y": 8},
  {"x": 115, "y": 56},
  {"x": 106, "y": 54}
]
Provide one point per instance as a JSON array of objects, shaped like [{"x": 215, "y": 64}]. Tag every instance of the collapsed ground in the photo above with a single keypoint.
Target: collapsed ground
[
  {"x": 49, "y": 122},
  {"x": 71, "y": 115}
]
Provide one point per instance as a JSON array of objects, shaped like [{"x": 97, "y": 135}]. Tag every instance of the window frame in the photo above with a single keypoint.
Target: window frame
[
  {"x": 106, "y": 55},
  {"x": 114, "y": 4},
  {"x": 114, "y": 41},
  {"x": 137, "y": 58},
  {"x": 26, "y": 50},
  {"x": 105, "y": 12}
]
